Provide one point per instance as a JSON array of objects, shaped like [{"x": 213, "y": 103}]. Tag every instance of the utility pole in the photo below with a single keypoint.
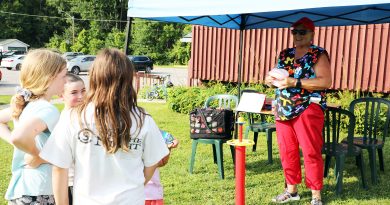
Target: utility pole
[
  {"x": 128, "y": 35},
  {"x": 73, "y": 29},
  {"x": 72, "y": 17}
]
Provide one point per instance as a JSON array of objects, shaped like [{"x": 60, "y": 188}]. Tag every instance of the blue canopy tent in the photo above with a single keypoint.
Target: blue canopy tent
[{"x": 249, "y": 14}]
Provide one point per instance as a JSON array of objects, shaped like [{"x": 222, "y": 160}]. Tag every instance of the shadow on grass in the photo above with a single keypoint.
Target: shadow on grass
[
  {"x": 262, "y": 166},
  {"x": 353, "y": 191}
]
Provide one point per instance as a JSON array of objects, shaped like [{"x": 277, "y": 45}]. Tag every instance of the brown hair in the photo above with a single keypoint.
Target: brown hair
[
  {"x": 114, "y": 99},
  {"x": 39, "y": 68},
  {"x": 70, "y": 77}
]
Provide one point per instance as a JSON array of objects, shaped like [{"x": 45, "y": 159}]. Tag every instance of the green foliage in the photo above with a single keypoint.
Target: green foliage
[
  {"x": 81, "y": 44},
  {"x": 115, "y": 39},
  {"x": 34, "y": 31},
  {"x": 185, "y": 99},
  {"x": 95, "y": 45},
  {"x": 156, "y": 40},
  {"x": 181, "y": 53},
  {"x": 82, "y": 26}
]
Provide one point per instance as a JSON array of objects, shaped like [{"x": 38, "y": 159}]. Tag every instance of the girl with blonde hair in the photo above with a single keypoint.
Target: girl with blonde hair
[
  {"x": 42, "y": 76},
  {"x": 114, "y": 145}
]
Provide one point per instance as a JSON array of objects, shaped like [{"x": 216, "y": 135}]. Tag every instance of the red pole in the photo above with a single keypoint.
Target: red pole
[
  {"x": 240, "y": 175},
  {"x": 240, "y": 169}
]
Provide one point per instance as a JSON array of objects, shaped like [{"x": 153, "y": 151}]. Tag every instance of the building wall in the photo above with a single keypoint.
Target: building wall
[
  {"x": 359, "y": 54},
  {"x": 14, "y": 46}
]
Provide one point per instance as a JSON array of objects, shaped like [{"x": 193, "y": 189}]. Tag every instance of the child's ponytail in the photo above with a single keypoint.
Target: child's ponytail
[{"x": 20, "y": 100}]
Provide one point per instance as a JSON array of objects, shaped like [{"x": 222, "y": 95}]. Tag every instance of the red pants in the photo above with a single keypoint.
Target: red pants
[
  {"x": 304, "y": 131},
  {"x": 154, "y": 202}
]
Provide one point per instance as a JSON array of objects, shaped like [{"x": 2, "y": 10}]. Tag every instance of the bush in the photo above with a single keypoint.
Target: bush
[{"x": 185, "y": 99}]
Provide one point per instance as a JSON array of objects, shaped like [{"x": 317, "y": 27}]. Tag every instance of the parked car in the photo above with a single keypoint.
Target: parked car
[
  {"x": 12, "y": 62},
  {"x": 10, "y": 53},
  {"x": 80, "y": 63},
  {"x": 142, "y": 63},
  {"x": 70, "y": 55}
]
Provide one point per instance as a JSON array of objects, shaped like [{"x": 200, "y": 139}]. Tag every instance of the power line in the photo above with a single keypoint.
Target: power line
[{"x": 57, "y": 17}]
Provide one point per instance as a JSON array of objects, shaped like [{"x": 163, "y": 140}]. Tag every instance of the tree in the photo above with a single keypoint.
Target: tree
[
  {"x": 33, "y": 30},
  {"x": 52, "y": 26},
  {"x": 81, "y": 44},
  {"x": 155, "y": 39},
  {"x": 115, "y": 39}
]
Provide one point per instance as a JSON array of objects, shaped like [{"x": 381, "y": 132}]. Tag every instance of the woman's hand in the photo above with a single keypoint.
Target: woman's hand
[
  {"x": 287, "y": 83},
  {"x": 269, "y": 80}
]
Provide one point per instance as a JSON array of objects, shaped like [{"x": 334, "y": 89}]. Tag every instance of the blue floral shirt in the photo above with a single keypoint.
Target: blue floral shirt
[{"x": 291, "y": 102}]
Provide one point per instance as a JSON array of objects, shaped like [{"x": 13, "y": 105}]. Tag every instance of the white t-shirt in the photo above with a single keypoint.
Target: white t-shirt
[{"x": 99, "y": 177}]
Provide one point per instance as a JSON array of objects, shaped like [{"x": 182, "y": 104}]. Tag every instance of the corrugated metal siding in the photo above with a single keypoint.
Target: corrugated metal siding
[{"x": 359, "y": 54}]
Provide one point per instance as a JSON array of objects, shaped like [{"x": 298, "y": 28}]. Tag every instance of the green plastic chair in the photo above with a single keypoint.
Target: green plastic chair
[
  {"x": 260, "y": 126},
  {"x": 334, "y": 147},
  {"x": 374, "y": 114},
  {"x": 220, "y": 101}
]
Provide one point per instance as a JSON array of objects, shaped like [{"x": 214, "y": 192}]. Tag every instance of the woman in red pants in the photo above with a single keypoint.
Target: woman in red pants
[{"x": 300, "y": 101}]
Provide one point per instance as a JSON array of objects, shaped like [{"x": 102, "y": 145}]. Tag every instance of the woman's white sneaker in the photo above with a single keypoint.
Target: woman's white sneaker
[{"x": 286, "y": 197}]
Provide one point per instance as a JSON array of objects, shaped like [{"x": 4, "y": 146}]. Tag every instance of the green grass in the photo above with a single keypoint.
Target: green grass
[
  {"x": 5, "y": 99},
  {"x": 263, "y": 181},
  {"x": 171, "y": 66}
]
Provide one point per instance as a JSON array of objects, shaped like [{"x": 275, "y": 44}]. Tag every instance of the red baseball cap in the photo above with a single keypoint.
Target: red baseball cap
[{"x": 306, "y": 22}]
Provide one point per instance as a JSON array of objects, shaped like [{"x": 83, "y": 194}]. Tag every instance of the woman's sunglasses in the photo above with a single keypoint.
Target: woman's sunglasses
[{"x": 300, "y": 32}]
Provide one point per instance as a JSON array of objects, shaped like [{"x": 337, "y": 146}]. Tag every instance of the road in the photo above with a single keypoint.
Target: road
[{"x": 11, "y": 78}]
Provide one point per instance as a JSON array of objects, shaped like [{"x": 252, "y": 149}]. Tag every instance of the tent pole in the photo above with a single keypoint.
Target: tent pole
[
  {"x": 240, "y": 64},
  {"x": 128, "y": 35},
  {"x": 242, "y": 27}
]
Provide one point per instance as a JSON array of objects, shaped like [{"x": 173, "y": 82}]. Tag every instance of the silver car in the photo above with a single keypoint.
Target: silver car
[
  {"x": 70, "y": 55},
  {"x": 80, "y": 63}
]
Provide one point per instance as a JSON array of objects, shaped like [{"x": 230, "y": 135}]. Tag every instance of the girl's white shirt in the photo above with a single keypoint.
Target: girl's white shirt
[{"x": 99, "y": 177}]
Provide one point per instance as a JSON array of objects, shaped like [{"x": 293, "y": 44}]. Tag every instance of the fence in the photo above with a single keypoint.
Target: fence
[{"x": 359, "y": 54}]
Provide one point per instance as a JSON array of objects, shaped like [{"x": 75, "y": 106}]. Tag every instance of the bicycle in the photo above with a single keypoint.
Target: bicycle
[{"x": 159, "y": 91}]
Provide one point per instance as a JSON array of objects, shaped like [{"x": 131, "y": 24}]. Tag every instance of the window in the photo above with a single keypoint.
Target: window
[{"x": 143, "y": 58}]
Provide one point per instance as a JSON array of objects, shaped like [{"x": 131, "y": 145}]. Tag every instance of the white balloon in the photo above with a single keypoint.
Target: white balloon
[{"x": 279, "y": 75}]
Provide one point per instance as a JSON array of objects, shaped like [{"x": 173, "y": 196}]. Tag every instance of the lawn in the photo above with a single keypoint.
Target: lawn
[
  {"x": 5, "y": 99},
  {"x": 263, "y": 181},
  {"x": 171, "y": 66}
]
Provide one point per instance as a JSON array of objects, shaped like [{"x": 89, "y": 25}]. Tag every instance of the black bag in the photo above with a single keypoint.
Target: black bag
[{"x": 211, "y": 123}]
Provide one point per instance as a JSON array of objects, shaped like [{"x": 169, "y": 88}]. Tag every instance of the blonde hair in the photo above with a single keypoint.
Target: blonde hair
[
  {"x": 39, "y": 68},
  {"x": 114, "y": 98}
]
